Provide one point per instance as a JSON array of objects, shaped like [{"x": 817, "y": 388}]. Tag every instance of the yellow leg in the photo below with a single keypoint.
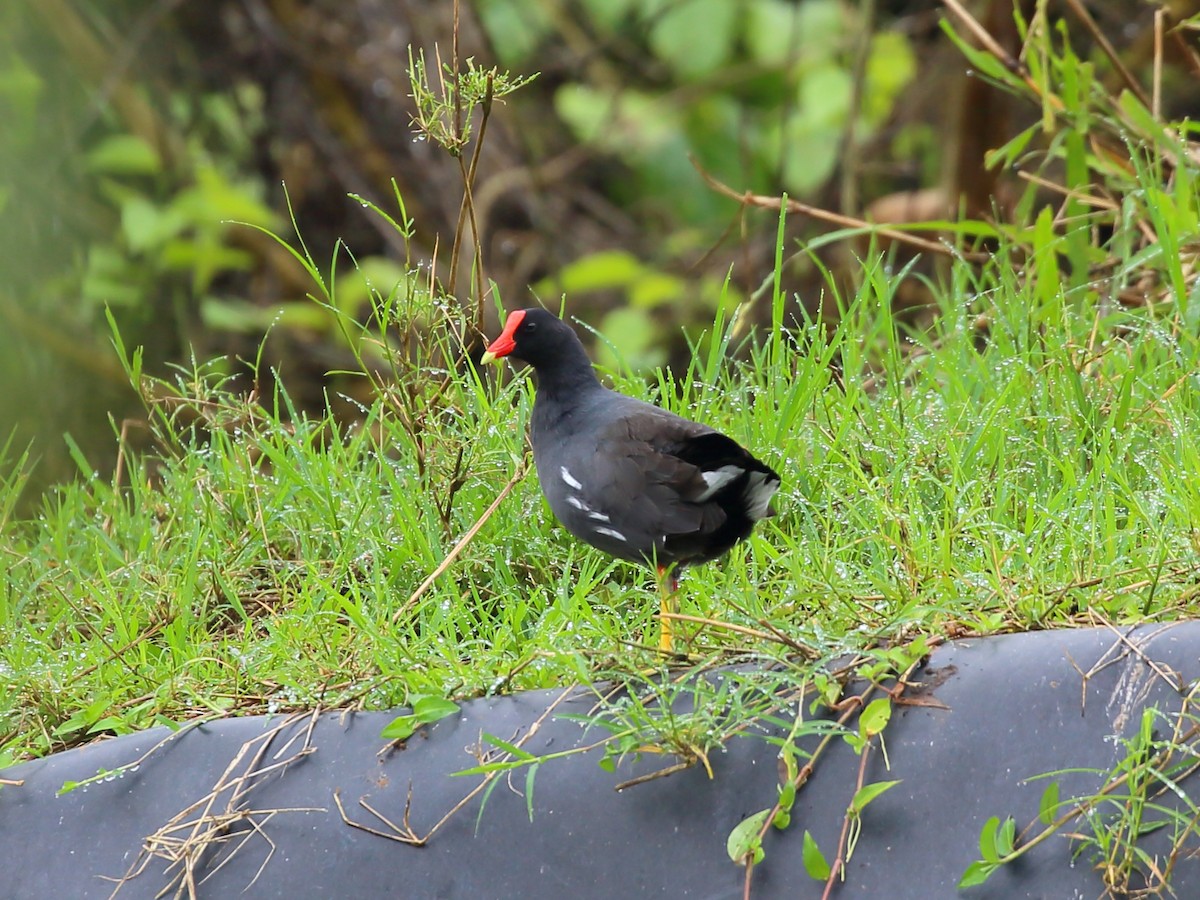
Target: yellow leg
[{"x": 666, "y": 594}]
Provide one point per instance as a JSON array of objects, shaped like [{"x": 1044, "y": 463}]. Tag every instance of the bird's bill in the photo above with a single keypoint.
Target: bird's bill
[{"x": 506, "y": 343}]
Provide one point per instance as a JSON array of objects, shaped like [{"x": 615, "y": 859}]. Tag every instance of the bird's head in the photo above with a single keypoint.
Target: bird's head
[{"x": 533, "y": 335}]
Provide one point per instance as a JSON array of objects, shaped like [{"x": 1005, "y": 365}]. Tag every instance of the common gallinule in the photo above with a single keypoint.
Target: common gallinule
[{"x": 633, "y": 480}]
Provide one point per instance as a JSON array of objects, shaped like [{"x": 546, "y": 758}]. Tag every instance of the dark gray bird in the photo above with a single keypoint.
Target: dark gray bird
[{"x": 633, "y": 480}]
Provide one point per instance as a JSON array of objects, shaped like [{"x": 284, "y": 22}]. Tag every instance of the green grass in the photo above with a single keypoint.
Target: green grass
[
  {"x": 1026, "y": 460},
  {"x": 1038, "y": 475}
]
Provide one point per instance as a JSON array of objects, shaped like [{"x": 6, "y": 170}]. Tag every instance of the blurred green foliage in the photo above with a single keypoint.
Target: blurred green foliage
[
  {"x": 760, "y": 91},
  {"x": 124, "y": 175}
]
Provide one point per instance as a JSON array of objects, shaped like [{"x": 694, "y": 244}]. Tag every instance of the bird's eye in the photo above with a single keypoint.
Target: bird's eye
[{"x": 530, "y": 326}]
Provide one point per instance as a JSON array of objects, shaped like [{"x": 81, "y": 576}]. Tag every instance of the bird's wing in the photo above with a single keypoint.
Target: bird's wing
[{"x": 658, "y": 465}]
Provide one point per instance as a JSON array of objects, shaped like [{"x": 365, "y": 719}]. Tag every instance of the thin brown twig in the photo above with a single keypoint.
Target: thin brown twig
[
  {"x": 468, "y": 175},
  {"x": 992, "y": 46},
  {"x": 779, "y": 635},
  {"x": 839, "y": 863},
  {"x": 746, "y": 198},
  {"x": 462, "y": 543},
  {"x": 655, "y": 775},
  {"x": 1100, "y": 38},
  {"x": 717, "y": 623},
  {"x": 211, "y": 826}
]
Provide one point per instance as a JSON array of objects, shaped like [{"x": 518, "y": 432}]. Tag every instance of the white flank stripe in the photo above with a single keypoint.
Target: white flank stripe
[
  {"x": 759, "y": 492},
  {"x": 570, "y": 479},
  {"x": 598, "y": 516},
  {"x": 717, "y": 479},
  {"x": 611, "y": 532},
  {"x": 578, "y": 504}
]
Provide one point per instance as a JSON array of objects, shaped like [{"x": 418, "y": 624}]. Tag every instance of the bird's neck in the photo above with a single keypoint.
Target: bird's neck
[{"x": 569, "y": 378}]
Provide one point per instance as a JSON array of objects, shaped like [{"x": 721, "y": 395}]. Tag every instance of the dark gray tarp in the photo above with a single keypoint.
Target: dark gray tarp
[{"x": 988, "y": 715}]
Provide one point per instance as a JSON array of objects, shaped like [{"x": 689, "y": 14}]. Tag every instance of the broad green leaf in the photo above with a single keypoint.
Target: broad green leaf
[
  {"x": 146, "y": 225},
  {"x": 891, "y": 66},
  {"x": 430, "y": 709},
  {"x": 869, "y": 792},
  {"x": 695, "y": 37},
  {"x": 241, "y": 316},
  {"x": 1005, "y": 836},
  {"x": 815, "y": 863},
  {"x": 608, "y": 13},
  {"x": 744, "y": 840},
  {"x": 875, "y": 717},
  {"x": 586, "y": 110},
  {"x": 630, "y": 340},
  {"x": 787, "y": 795},
  {"x": 825, "y": 95},
  {"x": 769, "y": 27},
  {"x": 1048, "y": 806},
  {"x": 123, "y": 154},
  {"x": 788, "y": 755},
  {"x": 600, "y": 271},
  {"x": 977, "y": 873},
  {"x": 655, "y": 289},
  {"x": 987, "y": 840},
  {"x": 400, "y": 728},
  {"x": 426, "y": 709},
  {"x": 515, "y": 29}
]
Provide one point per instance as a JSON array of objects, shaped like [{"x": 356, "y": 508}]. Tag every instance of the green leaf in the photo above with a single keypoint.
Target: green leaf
[
  {"x": 782, "y": 820},
  {"x": 982, "y": 60},
  {"x": 529, "y": 776},
  {"x": 655, "y": 289},
  {"x": 815, "y": 863},
  {"x": 987, "y": 840},
  {"x": 629, "y": 335},
  {"x": 875, "y": 717},
  {"x": 224, "y": 314},
  {"x": 788, "y": 755},
  {"x": 604, "y": 270},
  {"x": 769, "y": 26},
  {"x": 869, "y": 792},
  {"x": 1005, "y": 836},
  {"x": 977, "y": 873},
  {"x": 787, "y": 795},
  {"x": 430, "y": 709},
  {"x": 511, "y": 749},
  {"x": 400, "y": 728},
  {"x": 607, "y": 763},
  {"x": 146, "y": 225},
  {"x": 1048, "y": 806},
  {"x": 825, "y": 95},
  {"x": 123, "y": 154},
  {"x": 1008, "y": 154},
  {"x": 891, "y": 65},
  {"x": 607, "y": 13},
  {"x": 695, "y": 38},
  {"x": 584, "y": 109},
  {"x": 515, "y": 29},
  {"x": 744, "y": 840},
  {"x": 426, "y": 709}
]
